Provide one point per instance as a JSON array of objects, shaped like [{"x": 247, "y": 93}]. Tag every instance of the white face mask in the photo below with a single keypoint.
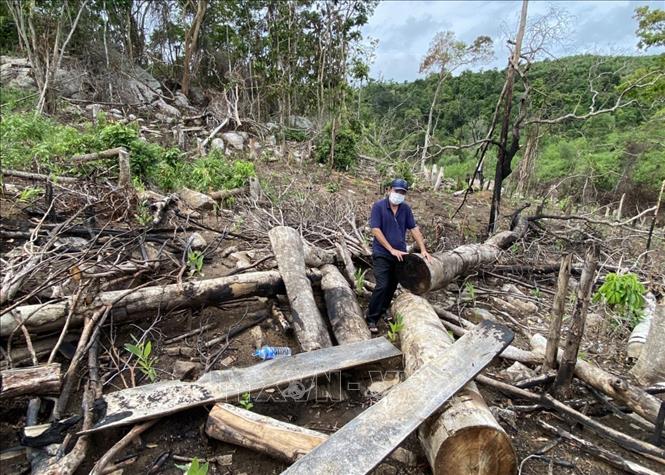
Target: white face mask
[{"x": 396, "y": 198}]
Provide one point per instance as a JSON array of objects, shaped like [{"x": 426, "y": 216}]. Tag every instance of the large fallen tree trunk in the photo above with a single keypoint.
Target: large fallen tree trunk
[
  {"x": 643, "y": 403},
  {"x": 650, "y": 367},
  {"x": 362, "y": 443},
  {"x": 34, "y": 380},
  {"x": 278, "y": 439},
  {"x": 420, "y": 276},
  {"x": 464, "y": 437},
  {"x": 344, "y": 313},
  {"x": 308, "y": 324},
  {"x": 47, "y": 317}
]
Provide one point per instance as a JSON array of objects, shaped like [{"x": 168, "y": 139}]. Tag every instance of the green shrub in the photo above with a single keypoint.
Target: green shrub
[
  {"x": 346, "y": 145},
  {"x": 625, "y": 294}
]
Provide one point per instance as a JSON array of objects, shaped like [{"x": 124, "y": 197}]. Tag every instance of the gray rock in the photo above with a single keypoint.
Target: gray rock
[
  {"x": 16, "y": 73},
  {"x": 165, "y": 108},
  {"x": 271, "y": 141},
  {"x": 224, "y": 460},
  {"x": 195, "y": 200},
  {"x": 517, "y": 372},
  {"x": 300, "y": 122},
  {"x": 217, "y": 144},
  {"x": 181, "y": 100},
  {"x": 404, "y": 456},
  {"x": 234, "y": 139},
  {"x": 197, "y": 242},
  {"x": 184, "y": 369}
]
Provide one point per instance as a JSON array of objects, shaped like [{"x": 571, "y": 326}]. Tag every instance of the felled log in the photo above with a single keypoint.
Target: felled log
[
  {"x": 365, "y": 441},
  {"x": 344, "y": 313},
  {"x": 34, "y": 380},
  {"x": 643, "y": 403},
  {"x": 650, "y": 367},
  {"x": 124, "y": 177},
  {"x": 21, "y": 354},
  {"x": 150, "y": 401},
  {"x": 420, "y": 276},
  {"x": 278, "y": 439},
  {"x": 465, "y": 437},
  {"x": 308, "y": 324},
  {"x": 132, "y": 302},
  {"x": 638, "y": 337}
]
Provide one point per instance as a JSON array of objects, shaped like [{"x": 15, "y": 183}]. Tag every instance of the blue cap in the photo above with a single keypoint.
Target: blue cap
[{"x": 399, "y": 184}]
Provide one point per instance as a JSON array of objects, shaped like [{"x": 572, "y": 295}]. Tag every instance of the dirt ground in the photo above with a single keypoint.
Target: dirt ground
[{"x": 183, "y": 435}]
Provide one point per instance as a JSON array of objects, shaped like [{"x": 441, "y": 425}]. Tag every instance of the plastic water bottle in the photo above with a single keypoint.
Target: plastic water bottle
[{"x": 272, "y": 352}]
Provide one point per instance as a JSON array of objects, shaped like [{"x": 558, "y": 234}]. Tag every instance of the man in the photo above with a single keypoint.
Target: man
[{"x": 391, "y": 218}]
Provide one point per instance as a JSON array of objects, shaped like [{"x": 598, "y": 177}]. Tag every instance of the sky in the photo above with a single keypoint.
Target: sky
[{"x": 404, "y": 29}]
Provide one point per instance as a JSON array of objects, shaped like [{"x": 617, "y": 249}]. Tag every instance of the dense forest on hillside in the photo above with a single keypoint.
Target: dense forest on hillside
[{"x": 618, "y": 152}]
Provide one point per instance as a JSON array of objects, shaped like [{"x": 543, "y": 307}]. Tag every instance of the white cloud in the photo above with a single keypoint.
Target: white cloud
[{"x": 405, "y": 28}]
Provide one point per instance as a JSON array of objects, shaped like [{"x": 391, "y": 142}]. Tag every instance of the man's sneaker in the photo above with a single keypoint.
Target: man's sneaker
[{"x": 373, "y": 329}]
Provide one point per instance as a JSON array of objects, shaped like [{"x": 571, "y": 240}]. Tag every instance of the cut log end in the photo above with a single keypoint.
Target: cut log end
[
  {"x": 414, "y": 274},
  {"x": 477, "y": 451}
]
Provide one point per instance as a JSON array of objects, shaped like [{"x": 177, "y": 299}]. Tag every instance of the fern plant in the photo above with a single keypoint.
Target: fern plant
[
  {"x": 142, "y": 351},
  {"x": 624, "y": 294}
]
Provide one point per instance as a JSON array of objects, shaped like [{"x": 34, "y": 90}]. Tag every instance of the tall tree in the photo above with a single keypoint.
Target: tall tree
[
  {"x": 191, "y": 39},
  {"x": 445, "y": 55}
]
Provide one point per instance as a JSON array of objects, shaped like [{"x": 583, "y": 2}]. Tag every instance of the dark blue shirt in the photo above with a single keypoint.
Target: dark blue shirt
[{"x": 393, "y": 226}]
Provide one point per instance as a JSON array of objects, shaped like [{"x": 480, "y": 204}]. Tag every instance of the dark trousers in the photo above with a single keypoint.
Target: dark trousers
[{"x": 385, "y": 273}]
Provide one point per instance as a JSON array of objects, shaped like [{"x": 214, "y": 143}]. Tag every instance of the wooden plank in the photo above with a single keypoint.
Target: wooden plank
[
  {"x": 133, "y": 405},
  {"x": 364, "y": 442}
]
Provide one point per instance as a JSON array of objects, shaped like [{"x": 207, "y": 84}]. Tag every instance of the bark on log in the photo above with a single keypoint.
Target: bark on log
[
  {"x": 264, "y": 434},
  {"x": 47, "y": 317},
  {"x": 223, "y": 194},
  {"x": 465, "y": 437},
  {"x": 650, "y": 367},
  {"x": 643, "y": 403},
  {"x": 344, "y": 313},
  {"x": 34, "y": 380},
  {"x": 420, "y": 276},
  {"x": 308, "y": 324}
]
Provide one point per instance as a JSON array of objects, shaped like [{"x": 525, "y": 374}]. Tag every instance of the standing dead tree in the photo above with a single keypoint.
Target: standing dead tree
[
  {"x": 191, "y": 40},
  {"x": 446, "y": 54},
  {"x": 45, "y": 53}
]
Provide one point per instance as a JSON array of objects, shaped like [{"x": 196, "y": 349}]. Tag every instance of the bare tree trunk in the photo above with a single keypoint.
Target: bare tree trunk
[
  {"x": 558, "y": 309},
  {"x": 504, "y": 158},
  {"x": 653, "y": 220},
  {"x": 428, "y": 130},
  {"x": 191, "y": 40},
  {"x": 567, "y": 366}
]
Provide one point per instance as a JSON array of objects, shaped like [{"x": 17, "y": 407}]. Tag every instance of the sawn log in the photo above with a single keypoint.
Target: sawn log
[
  {"x": 308, "y": 324},
  {"x": 344, "y": 313},
  {"x": 464, "y": 437},
  {"x": 361, "y": 444},
  {"x": 420, "y": 276}
]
